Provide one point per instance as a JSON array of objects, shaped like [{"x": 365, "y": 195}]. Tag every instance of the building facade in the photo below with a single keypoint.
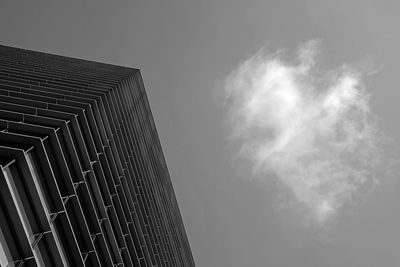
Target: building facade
[{"x": 84, "y": 181}]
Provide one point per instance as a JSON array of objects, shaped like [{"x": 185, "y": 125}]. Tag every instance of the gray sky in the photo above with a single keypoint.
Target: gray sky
[{"x": 185, "y": 49}]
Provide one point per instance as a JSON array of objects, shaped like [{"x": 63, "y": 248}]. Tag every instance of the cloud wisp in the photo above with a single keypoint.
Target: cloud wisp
[{"x": 313, "y": 130}]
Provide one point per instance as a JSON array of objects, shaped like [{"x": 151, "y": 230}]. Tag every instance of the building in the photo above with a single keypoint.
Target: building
[{"x": 84, "y": 181}]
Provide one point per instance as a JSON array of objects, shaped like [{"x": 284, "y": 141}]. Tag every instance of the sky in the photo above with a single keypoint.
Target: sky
[{"x": 213, "y": 70}]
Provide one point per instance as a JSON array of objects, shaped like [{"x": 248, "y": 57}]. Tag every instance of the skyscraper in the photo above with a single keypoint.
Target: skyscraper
[{"x": 84, "y": 181}]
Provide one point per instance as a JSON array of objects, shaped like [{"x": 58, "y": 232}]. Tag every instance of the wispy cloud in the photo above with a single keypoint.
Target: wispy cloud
[{"x": 314, "y": 130}]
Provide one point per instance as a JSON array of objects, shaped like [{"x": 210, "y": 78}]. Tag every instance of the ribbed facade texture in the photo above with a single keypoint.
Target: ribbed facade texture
[{"x": 84, "y": 181}]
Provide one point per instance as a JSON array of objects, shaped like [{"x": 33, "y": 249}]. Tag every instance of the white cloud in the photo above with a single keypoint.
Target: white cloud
[{"x": 312, "y": 129}]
